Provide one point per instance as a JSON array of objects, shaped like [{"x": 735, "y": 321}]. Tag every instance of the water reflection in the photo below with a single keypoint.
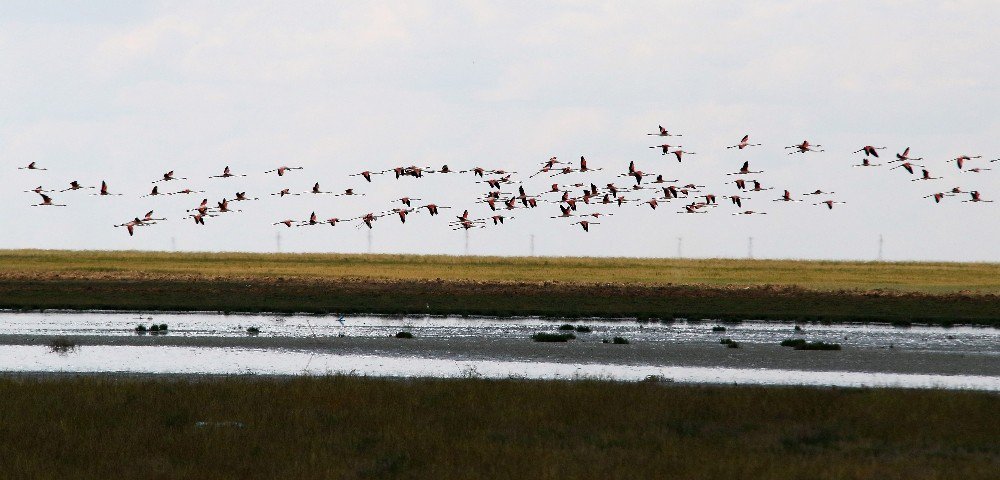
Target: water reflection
[{"x": 191, "y": 360}]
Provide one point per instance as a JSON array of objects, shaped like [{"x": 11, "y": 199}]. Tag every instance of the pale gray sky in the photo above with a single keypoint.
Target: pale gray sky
[{"x": 125, "y": 91}]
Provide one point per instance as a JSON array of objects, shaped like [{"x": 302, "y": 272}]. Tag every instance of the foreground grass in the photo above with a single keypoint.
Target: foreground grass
[
  {"x": 351, "y": 427},
  {"x": 739, "y": 289}
]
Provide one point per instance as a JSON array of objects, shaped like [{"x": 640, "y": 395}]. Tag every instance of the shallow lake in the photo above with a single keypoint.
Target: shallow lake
[{"x": 208, "y": 343}]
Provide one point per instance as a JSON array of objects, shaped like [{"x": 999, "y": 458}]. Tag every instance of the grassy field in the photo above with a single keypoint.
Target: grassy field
[
  {"x": 352, "y": 427},
  {"x": 655, "y": 288},
  {"x": 814, "y": 275}
]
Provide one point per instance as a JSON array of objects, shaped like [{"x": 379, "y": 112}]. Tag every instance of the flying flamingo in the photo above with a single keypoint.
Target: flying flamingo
[
  {"x": 750, "y": 212},
  {"x": 583, "y": 165},
  {"x": 905, "y": 156},
  {"x": 312, "y": 221},
  {"x": 368, "y": 218},
  {"x": 638, "y": 174},
  {"x": 960, "y": 160},
  {"x": 74, "y": 185},
  {"x": 976, "y": 197},
  {"x": 865, "y": 162},
  {"x": 546, "y": 166},
  {"x": 199, "y": 218},
  {"x": 242, "y": 196},
  {"x": 664, "y": 133},
  {"x": 566, "y": 212},
  {"x": 47, "y": 202},
  {"x": 348, "y": 193},
  {"x": 585, "y": 224},
  {"x": 693, "y": 208},
  {"x": 978, "y": 170},
  {"x": 432, "y": 208},
  {"x": 758, "y": 188},
  {"x": 38, "y": 189},
  {"x": 665, "y": 148},
  {"x": 786, "y": 197},
  {"x": 367, "y": 174},
  {"x": 819, "y": 192},
  {"x": 168, "y": 177},
  {"x": 31, "y": 166},
  {"x": 281, "y": 170},
  {"x": 223, "y": 207},
  {"x": 737, "y": 200},
  {"x": 869, "y": 150},
  {"x": 498, "y": 219},
  {"x": 186, "y": 191},
  {"x": 937, "y": 197},
  {"x": 315, "y": 190},
  {"x": 402, "y": 212},
  {"x": 744, "y": 143},
  {"x": 745, "y": 170},
  {"x": 154, "y": 192},
  {"x": 467, "y": 224},
  {"x": 659, "y": 179},
  {"x": 804, "y": 147},
  {"x": 926, "y": 176},
  {"x": 288, "y": 223},
  {"x": 149, "y": 217},
  {"x": 226, "y": 173},
  {"x": 283, "y": 192},
  {"x": 829, "y": 204},
  {"x": 906, "y": 166},
  {"x": 202, "y": 208},
  {"x": 130, "y": 226},
  {"x": 679, "y": 153},
  {"x": 104, "y": 189}
]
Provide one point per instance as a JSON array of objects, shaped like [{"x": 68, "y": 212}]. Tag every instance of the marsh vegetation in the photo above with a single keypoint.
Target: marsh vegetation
[{"x": 353, "y": 427}]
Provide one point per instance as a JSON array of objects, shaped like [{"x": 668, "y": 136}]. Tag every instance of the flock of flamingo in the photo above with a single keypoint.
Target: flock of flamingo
[{"x": 644, "y": 189}]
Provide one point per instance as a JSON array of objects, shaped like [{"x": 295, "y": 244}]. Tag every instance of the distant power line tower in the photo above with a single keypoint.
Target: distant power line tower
[
  {"x": 369, "y": 240},
  {"x": 531, "y": 247},
  {"x": 750, "y": 248},
  {"x": 277, "y": 241},
  {"x": 880, "y": 247},
  {"x": 467, "y": 242},
  {"x": 680, "y": 251},
  {"x": 173, "y": 243}
]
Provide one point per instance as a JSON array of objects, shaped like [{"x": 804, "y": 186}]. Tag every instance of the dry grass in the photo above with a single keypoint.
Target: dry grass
[
  {"x": 347, "y": 427},
  {"x": 563, "y": 287},
  {"x": 816, "y": 275}
]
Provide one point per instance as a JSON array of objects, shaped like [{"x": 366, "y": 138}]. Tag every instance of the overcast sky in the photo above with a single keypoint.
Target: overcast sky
[{"x": 125, "y": 91}]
